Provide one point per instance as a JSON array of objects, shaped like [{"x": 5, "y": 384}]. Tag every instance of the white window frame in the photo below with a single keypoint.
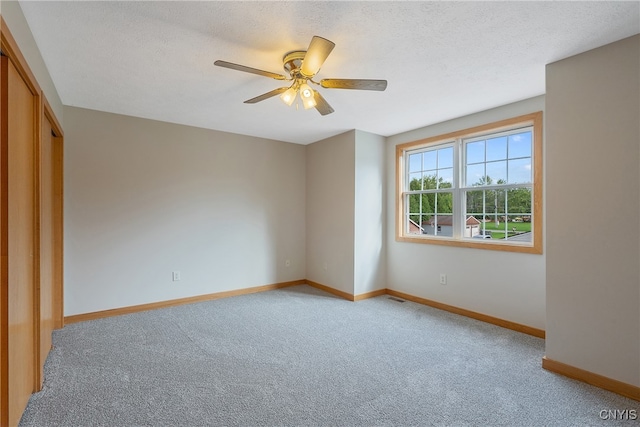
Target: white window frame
[
  {"x": 453, "y": 189},
  {"x": 459, "y": 188}
]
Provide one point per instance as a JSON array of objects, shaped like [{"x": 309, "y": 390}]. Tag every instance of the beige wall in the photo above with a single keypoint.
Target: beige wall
[
  {"x": 370, "y": 215},
  {"x": 13, "y": 16},
  {"x": 144, "y": 198},
  {"x": 345, "y": 212},
  {"x": 593, "y": 207},
  {"x": 506, "y": 285},
  {"x": 330, "y": 211}
]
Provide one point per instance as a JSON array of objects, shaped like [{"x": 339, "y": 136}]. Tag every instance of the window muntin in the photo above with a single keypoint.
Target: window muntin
[{"x": 476, "y": 188}]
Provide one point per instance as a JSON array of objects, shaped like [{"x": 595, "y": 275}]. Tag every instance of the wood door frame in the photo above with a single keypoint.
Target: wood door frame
[
  {"x": 51, "y": 234},
  {"x": 58, "y": 223},
  {"x": 4, "y": 246}
]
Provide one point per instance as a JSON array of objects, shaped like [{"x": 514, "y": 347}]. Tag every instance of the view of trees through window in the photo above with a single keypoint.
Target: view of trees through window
[
  {"x": 497, "y": 206},
  {"x": 502, "y": 164},
  {"x": 431, "y": 173},
  {"x": 505, "y": 213}
]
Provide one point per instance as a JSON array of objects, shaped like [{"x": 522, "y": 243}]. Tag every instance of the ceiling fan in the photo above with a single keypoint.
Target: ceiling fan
[{"x": 301, "y": 66}]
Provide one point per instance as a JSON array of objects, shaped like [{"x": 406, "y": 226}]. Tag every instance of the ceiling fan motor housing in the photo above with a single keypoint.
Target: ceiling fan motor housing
[{"x": 292, "y": 61}]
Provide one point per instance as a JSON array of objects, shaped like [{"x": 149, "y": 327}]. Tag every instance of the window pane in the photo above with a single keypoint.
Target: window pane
[
  {"x": 519, "y": 201},
  {"x": 440, "y": 225},
  {"x": 520, "y": 145},
  {"x": 497, "y": 148},
  {"x": 415, "y": 181},
  {"x": 497, "y": 172},
  {"x": 475, "y": 175},
  {"x": 442, "y": 222},
  {"x": 492, "y": 205},
  {"x": 519, "y": 215},
  {"x": 445, "y": 203},
  {"x": 445, "y": 158},
  {"x": 476, "y": 215},
  {"x": 498, "y": 219},
  {"x": 445, "y": 178},
  {"x": 475, "y": 152},
  {"x": 429, "y": 159},
  {"x": 424, "y": 221},
  {"x": 520, "y": 171},
  {"x": 415, "y": 162},
  {"x": 428, "y": 204},
  {"x": 414, "y": 204},
  {"x": 475, "y": 203},
  {"x": 430, "y": 181},
  {"x": 428, "y": 209},
  {"x": 486, "y": 214},
  {"x": 499, "y": 202},
  {"x": 415, "y": 225}
]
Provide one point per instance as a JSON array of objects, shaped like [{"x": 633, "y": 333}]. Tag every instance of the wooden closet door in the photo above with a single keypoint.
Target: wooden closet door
[
  {"x": 31, "y": 230},
  {"x": 19, "y": 140}
]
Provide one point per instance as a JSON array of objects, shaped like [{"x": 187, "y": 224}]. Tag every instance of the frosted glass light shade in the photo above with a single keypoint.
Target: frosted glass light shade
[
  {"x": 288, "y": 96},
  {"x": 306, "y": 94}
]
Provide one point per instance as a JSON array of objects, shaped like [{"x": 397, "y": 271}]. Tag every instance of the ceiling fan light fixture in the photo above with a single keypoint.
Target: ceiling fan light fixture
[
  {"x": 308, "y": 103},
  {"x": 306, "y": 94},
  {"x": 289, "y": 96},
  {"x": 305, "y": 91}
]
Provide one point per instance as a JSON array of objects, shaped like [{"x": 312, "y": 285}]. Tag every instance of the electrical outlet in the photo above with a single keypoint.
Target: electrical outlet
[
  {"x": 443, "y": 279},
  {"x": 176, "y": 276},
  {"x": 325, "y": 266},
  {"x": 287, "y": 263}
]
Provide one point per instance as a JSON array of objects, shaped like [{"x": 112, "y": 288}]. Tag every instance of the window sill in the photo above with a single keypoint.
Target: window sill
[{"x": 482, "y": 244}]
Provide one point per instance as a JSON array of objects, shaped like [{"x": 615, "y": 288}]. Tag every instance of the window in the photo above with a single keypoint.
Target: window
[{"x": 479, "y": 187}]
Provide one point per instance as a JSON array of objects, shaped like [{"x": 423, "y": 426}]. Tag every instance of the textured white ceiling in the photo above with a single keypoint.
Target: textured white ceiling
[{"x": 442, "y": 59}]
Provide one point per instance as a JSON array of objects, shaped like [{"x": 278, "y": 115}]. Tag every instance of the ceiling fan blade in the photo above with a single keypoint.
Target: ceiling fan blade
[
  {"x": 266, "y": 95},
  {"x": 246, "y": 69},
  {"x": 361, "y": 84},
  {"x": 322, "y": 105},
  {"x": 317, "y": 53}
]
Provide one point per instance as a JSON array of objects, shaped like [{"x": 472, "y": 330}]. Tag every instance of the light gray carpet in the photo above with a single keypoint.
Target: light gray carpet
[{"x": 301, "y": 357}]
